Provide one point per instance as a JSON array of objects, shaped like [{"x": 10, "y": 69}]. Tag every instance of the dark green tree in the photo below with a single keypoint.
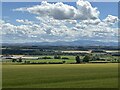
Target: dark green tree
[
  {"x": 86, "y": 58},
  {"x": 77, "y": 58},
  {"x": 63, "y": 61},
  {"x": 14, "y": 60},
  {"x": 20, "y": 59},
  {"x": 57, "y": 57},
  {"x": 95, "y": 57}
]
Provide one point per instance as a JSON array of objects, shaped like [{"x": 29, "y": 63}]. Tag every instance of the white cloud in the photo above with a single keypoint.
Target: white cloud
[
  {"x": 61, "y": 22},
  {"x": 55, "y": 30},
  {"x": 111, "y": 19},
  {"x": 57, "y": 11},
  {"x": 90, "y": 21},
  {"x": 86, "y": 11},
  {"x": 24, "y": 21},
  {"x": 22, "y": 30},
  {"x": 62, "y": 11}
]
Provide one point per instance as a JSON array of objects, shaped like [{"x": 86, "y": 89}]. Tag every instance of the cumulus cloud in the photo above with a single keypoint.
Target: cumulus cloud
[
  {"x": 55, "y": 30},
  {"x": 61, "y": 22},
  {"x": 21, "y": 30},
  {"x": 86, "y": 11},
  {"x": 24, "y": 21},
  {"x": 62, "y": 11},
  {"x": 93, "y": 22},
  {"x": 111, "y": 19},
  {"x": 58, "y": 10}
]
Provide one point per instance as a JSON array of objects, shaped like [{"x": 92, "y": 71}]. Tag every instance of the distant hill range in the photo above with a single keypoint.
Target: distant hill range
[{"x": 64, "y": 43}]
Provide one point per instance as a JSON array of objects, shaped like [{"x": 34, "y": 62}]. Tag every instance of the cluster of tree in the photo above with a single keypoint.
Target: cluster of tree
[
  {"x": 13, "y": 51},
  {"x": 46, "y": 57},
  {"x": 38, "y": 63},
  {"x": 86, "y": 58},
  {"x": 55, "y": 62},
  {"x": 17, "y": 60},
  {"x": 50, "y": 50},
  {"x": 65, "y": 58},
  {"x": 57, "y": 57},
  {"x": 46, "y": 62}
]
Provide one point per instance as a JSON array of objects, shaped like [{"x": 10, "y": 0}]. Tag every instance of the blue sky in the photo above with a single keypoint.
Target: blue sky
[{"x": 105, "y": 8}]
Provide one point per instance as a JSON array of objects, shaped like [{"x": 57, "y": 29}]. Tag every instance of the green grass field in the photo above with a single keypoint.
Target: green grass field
[{"x": 61, "y": 76}]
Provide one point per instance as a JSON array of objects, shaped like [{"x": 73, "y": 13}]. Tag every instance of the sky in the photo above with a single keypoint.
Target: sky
[{"x": 59, "y": 21}]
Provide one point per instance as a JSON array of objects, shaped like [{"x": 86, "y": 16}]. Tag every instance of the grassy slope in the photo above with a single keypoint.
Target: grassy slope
[{"x": 60, "y": 76}]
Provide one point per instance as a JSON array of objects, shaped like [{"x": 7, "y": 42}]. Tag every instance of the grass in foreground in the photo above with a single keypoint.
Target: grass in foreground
[{"x": 61, "y": 76}]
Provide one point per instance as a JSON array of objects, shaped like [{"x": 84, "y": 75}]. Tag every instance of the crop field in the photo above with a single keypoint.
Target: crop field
[{"x": 61, "y": 76}]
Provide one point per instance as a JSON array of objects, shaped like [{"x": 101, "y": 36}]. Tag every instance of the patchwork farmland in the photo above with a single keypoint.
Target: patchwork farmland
[{"x": 58, "y": 69}]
